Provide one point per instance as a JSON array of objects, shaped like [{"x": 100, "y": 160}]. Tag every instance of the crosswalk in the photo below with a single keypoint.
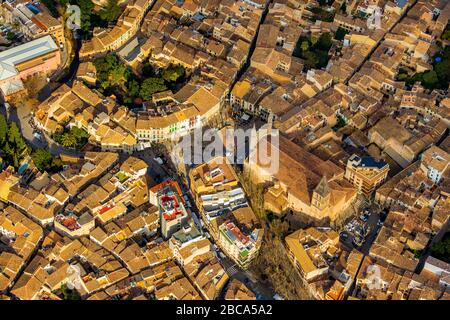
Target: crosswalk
[{"x": 232, "y": 270}]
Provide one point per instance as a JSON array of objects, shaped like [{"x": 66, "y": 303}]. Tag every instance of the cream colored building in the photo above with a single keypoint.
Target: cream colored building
[
  {"x": 366, "y": 173},
  {"x": 303, "y": 183}
]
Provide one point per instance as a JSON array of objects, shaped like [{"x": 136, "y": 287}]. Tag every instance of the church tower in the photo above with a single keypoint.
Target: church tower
[{"x": 321, "y": 194}]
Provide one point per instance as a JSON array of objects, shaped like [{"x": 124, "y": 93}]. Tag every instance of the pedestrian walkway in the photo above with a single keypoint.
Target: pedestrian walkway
[{"x": 232, "y": 270}]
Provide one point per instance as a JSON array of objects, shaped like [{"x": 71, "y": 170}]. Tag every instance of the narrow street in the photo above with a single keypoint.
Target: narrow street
[
  {"x": 161, "y": 172},
  {"x": 358, "y": 68},
  {"x": 22, "y": 116}
]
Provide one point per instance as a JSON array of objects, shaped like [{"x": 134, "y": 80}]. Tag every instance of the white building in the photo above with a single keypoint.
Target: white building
[{"x": 435, "y": 162}]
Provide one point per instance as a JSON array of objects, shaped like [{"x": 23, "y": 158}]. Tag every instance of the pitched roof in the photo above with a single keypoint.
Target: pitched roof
[{"x": 25, "y": 52}]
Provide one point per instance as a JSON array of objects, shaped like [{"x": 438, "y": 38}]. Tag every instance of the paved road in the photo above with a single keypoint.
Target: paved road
[
  {"x": 379, "y": 42},
  {"x": 161, "y": 172},
  {"x": 373, "y": 224},
  {"x": 263, "y": 292},
  {"x": 21, "y": 115},
  {"x": 69, "y": 77},
  {"x": 158, "y": 172}
]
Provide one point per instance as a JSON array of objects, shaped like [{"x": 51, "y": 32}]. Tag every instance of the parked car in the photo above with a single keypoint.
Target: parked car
[
  {"x": 357, "y": 241},
  {"x": 38, "y": 136},
  {"x": 344, "y": 236},
  {"x": 278, "y": 297}
]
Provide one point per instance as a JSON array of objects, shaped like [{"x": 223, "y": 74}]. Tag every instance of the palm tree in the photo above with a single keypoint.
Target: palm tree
[
  {"x": 304, "y": 46},
  {"x": 68, "y": 140}
]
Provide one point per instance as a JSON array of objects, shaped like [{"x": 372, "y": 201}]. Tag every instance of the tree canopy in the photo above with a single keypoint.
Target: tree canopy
[
  {"x": 10, "y": 36},
  {"x": 151, "y": 86},
  {"x": 111, "y": 72},
  {"x": 44, "y": 161},
  {"x": 87, "y": 9},
  {"x": 52, "y": 6},
  {"x": 325, "y": 42},
  {"x": 73, "y": 138},
  {"x": 11, "y": 143},
  {"x": 173, "y": 73},
  {"x": 322, "y": 14},
  {"x": 69, "y": 294},
  {"x": 111, "y": 11},
  {"x": 91, "y": 19},
  {"x": 3, "y": 130},
  {"x": 114, "y": 77},
  {"x": 340, "y": 33},
  {"x": 441, "y": 250},
  {"x": 438, "y": 78},
  {"x": 314, "y": 52}
]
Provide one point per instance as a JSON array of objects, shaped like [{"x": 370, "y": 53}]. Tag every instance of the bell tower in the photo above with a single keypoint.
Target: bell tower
[{"x": 321, "y": 194}]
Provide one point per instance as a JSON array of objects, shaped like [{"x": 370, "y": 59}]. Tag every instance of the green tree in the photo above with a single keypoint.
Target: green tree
[
  {"x": 340, "y": 33},
  {"x": 133, "y": 88},
  {"x": 10, "y": 36},
  {"x": 68, "y": 140},
  {"x": 52, "y": 7},
  {"x": 3, "y": 130},
  {"x": 430, "y": 80},
  {"x": 441, "y": 249},
  {"x": 151, "y": 86},
  {"x": 446, "y": 35},
  {"x": 311, "y": 60},
  {"x": 69, "y": 294},
  {"x": 75, "y": 137},
  {"x": 402, "y": 77},
  {"x": 340, "y": 122},
  {"x": 112, "y": 61},
  {"x": 11, "y": 143},
  {"x": 111, "y": 72},
  {"x": 173, "y": 73},
  {"x": 10, "y": 155},
  {"x": 322, "y": 57},
  {"x": 147, "y": 70},
  {"x": 438, "y": 78},
  {"x": 324, "y": 42},
  {"x": 87, "y": 8},
  {"x": 15, "y": 138},
  {"x": 300, "y": 46},
  {"x": 111, "y": 11},
  {"x": 117, "y": 75},
  {"x": 64, "y": 4},
  {"x": 80, "y": 135},
  {"x": 443, "y": 72},
  {"x": 417, "y": 253},
  {"x": 44, "y": 161},
  {"x": 322, "y": 14},
  {"x": 304, "y": 46}
]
